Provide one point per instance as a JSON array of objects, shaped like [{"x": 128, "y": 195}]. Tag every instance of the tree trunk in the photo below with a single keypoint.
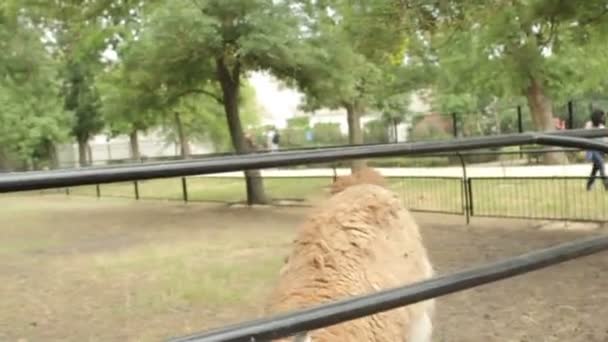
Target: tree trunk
[
  {"x": 355, "y": 133},
  {"x": 89, "y": 154},
  {"x": 51, "y": 152},
  {"x": 542, "y": 116},
  {"x": 134, "y": 143},
  {"x": 497, "y": 121},
  {"x": 4, "y": 162},
  {"x": 82, "y": 151},
  {"x": 395, "y": 131},
  {"x": 183, "y": 139},
  {"x": 230, "y": 82},
  {"x": 109, "y": 148}
]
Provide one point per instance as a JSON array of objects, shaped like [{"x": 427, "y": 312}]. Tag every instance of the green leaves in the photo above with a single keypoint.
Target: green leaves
[
  {"x": 30, "y": 108},
  {"x": 497, "y": 48}
]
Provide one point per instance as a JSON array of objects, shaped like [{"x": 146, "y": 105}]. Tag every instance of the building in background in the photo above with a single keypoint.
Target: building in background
[{"x": 418, "y": 106}]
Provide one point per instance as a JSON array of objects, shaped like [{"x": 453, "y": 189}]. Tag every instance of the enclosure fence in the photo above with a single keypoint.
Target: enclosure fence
[
  {"x": 338, "y": 312},
  {"x": 489, "y": 192}
]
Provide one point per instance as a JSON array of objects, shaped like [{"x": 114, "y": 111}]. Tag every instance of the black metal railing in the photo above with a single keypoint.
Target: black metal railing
[
  {"x": 529, "y": 197},
  {"x": 546, "y": 198}
]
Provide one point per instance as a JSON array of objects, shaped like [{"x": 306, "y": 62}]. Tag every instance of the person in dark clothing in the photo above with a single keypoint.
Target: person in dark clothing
[{"x": 594, "y": 156}]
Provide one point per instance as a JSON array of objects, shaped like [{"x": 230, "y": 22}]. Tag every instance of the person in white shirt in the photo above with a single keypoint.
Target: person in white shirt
[
  {"x": 594, "y": 156},
  {"x": 272, "y": 140}
]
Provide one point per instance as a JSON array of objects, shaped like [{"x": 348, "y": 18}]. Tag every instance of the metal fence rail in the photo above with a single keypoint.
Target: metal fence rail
[
  {"x": 525, "y": 196},
  {"x": 59, "y": 179}
]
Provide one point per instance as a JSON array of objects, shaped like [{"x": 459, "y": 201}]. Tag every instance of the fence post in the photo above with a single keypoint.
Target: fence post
[
  {"x": 520, "y": 122},
  {"x": 570, "y": 115},
  {"x": 98, "y": 190},
  {"x": 470, "y": 190},
  {"x": 465, "y": 189},
  {"x": 136, "y": 188},
  {"x": 333, "y": 166},
  {"x": 455, "y": 124},
  {"x": 520, "y": 127},
  {"x": 248, "y": 192},
  {"x": 185, "y": 189}
]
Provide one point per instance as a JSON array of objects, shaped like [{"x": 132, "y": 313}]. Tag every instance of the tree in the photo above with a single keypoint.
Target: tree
[
  {"x": 198, "y": 119},
  {"x": 149, "y": 85},
  {"x": 31, "y": 115},
  {"x": 353, "y": 45},
  {"x": 130, "y": 105},
  {"x": 539, "y": 50},
  {"x": 76, "y": 33},
  {"x": 209, "y": 46},
  {"x": 82, "y": 99}
]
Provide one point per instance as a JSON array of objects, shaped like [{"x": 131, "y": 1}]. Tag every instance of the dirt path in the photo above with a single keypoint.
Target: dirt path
[{"x": 68, "y": 264}]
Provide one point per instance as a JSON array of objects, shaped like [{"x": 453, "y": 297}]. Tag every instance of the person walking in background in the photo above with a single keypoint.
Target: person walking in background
[
  {"x": 596, "y": 157},
  {"x": 276, "y": 138},
  {"x": 272, "y": 139},
  {"x": 269, "y": 137}
]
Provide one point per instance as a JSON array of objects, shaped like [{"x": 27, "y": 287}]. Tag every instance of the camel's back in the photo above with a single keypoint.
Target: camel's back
[{"x": 361, "y": 241}]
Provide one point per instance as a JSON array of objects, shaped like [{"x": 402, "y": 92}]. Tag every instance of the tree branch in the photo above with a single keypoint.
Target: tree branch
[
  {"x": 546, "y": 40},
  {"x": 199, "y": 91}
]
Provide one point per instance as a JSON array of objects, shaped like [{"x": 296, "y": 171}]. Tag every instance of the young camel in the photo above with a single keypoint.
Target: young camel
[{"x": 361, "y": 241}]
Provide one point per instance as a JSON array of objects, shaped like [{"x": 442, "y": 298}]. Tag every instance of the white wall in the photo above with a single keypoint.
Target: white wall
[{"x": 150, "y": 145}]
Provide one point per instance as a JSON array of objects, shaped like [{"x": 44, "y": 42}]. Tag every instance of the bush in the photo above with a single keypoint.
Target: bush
[
  {"x": 375, "y": 132},
  {"x": 328, "y": 134},
  {"x": 293, "y": 138}
]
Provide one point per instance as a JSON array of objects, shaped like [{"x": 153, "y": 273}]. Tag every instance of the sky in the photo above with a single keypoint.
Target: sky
[{"x": 277, "y": 101}]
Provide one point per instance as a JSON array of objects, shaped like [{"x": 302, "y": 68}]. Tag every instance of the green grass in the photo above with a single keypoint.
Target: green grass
[
  {"x": 540, "y": 198},
  {"x": 208, "y": 189},
  {"x": 175, "y": 275},
  {"x": 90, "y": 270},
  {"x": 524, "y": 197}
]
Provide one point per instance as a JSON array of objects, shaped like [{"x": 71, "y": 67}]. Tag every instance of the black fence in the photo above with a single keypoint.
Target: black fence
[
  {"x": 345, "y": 310},
  {"x": 505, "y": 119},
  {"x": 543, "y": 198},
  {"x": 527, "y": 197}
]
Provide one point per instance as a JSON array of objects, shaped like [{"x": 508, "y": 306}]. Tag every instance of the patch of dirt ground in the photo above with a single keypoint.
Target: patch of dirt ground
[{"x": 79, "y": 269}]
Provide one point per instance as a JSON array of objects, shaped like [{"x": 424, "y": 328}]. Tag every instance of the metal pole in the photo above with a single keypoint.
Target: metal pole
[
  {"x": 98, "y": 190},
  {"x": 136, "y": 188},
  {"x": 520, "y": 122},
  {"x": 470, "y": 189},
  {"x": 248, "y": 190},
  {"x": 570, "y": 115},
  {"x": 335, "y": 172},
  {"x": 465, "y": 190},
  {"x": 185, "y": 188},
  {"x": 455, "y": 124},
  {"x": 61, "y": 179},
  {"x": 520, "y": 127}
]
